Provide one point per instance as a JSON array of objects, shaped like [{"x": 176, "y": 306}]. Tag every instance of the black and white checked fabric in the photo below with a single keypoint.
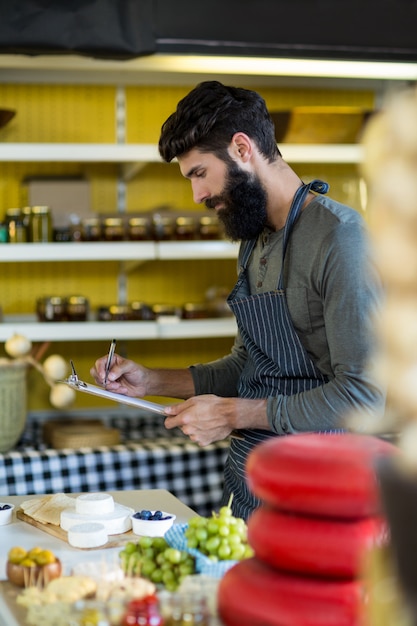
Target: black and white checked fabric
[{"x": 160, "y": 460}]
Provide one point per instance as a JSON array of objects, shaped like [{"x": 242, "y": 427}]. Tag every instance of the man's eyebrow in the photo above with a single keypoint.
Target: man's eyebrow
[{"x": 192, "y": 171}]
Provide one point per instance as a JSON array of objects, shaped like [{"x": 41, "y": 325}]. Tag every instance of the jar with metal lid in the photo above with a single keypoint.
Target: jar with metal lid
[
  {"x": 103, "y": 314},
  {"x": 195, "y": 311},
  {"x": 163, "y": 227},
  {"x": 209, "y": 227},
  {"x": 119, "y": 312},
  {"x": 77, "y": 308},
  {"x": 91, "y": 229},
  {"x": 165, "y": 310},
  {"x": 139, "y": 228},
  {"x": 141, "y": 311},
  {"x": 113, "y": 229},
  {"x": 41, "y": 224},
  {"x": 51, "y": 309},
  {"x": 17, "y": 231},
  {"x": 185, "y": 228}
]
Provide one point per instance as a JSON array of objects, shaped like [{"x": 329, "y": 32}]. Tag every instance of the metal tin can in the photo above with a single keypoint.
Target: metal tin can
[
  {"x": 141, "y": 311},
  {"x": 119, "y": 312},
  {"x": 41, "y": 224}
]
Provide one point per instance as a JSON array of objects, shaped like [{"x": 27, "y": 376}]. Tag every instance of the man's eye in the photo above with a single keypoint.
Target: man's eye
[{"x": 200, "y": 174}]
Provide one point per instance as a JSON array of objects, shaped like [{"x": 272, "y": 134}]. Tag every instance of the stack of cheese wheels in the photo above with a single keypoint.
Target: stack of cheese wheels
[
  {"x": 320, "y": 515},
  {"x": 94, "y": 517},
  {"x": 389, "y": 167}
]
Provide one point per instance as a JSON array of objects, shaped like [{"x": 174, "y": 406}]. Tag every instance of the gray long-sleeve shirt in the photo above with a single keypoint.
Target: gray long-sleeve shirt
[{"x": 333, "y": 295}]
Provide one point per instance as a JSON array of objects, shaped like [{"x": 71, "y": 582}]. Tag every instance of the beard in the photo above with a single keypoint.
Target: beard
[{"x": 244, "y": 215}]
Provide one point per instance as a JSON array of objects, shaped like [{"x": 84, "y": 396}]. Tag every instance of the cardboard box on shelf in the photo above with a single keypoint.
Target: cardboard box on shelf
[{"x": 68, "y": 199}]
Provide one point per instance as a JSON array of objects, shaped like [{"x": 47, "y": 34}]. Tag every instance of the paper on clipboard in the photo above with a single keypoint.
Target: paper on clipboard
[{"x": 79, "y": 385}]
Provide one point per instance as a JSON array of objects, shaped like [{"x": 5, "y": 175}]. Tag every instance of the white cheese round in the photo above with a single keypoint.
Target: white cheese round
[
  {"x": 115, "y": 523},
  {"x": 87, "y": 535},
  {"x": 94, "y": 504}
]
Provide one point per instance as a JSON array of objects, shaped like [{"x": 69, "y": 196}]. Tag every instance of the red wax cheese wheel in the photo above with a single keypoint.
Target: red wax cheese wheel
[
  {"x": 314, "y": 545},
  {"x": 319, "y": 474},
  {"x": 253, "y": 594}
]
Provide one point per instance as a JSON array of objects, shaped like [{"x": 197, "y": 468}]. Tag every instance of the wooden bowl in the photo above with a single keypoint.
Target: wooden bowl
[
  {"x": 40, "y": 575},
  {"x": 5, "y": 116}
]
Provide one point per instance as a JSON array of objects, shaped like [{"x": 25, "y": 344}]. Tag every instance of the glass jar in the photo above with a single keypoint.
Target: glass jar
[
  {"x": 77, "y": 308},
  {"x": 141, "y": 311},
  {"x": 195, "y": 311},
  {"x": 119, "y": 312},
  {"x": 143, "y": 612},
  {"x": 51, "y": 309},
  {"x": 209, "y": 227},
  {"x": 163, "y": 227},
  {"x": 41, "y": 224},
  {"x": 185, "y": 228},
  {"x": 139, "y": 228},
  {"x": 17, "y": 232},
  {"x": 178, "y": 608},
  {"x": 113, "y": 229},
  {"x": 91, "y": 229}
]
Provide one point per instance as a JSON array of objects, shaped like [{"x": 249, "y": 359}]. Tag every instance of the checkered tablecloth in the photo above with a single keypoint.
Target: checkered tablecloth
[{"x": 149, "y": 458}]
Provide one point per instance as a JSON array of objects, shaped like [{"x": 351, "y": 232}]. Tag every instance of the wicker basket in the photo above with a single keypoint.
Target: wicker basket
[{"x": 13, "y": 403}]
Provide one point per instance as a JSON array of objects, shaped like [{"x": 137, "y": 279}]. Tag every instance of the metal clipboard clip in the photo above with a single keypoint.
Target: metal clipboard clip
[{"x": 73, "y": 379}]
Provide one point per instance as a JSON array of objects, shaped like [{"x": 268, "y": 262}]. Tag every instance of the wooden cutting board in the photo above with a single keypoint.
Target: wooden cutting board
[{"x": 56, "y": 531}]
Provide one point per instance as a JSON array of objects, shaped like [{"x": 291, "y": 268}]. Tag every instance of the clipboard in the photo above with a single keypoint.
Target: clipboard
[{"x": 79, "y": 385}]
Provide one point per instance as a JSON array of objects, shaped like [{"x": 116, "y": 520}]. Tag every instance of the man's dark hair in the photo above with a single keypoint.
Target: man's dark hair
[{"x": 209, "y": 116}]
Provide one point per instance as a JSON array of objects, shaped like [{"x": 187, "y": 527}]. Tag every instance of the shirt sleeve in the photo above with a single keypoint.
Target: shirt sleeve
[{"x": 221, "y": 376}]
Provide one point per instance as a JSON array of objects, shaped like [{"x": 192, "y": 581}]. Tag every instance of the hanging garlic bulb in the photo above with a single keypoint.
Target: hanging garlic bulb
[{"x": 17, "y": 346}]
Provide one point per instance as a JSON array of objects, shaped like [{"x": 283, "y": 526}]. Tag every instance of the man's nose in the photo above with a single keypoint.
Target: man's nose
[{"x": 200, "y": 194}]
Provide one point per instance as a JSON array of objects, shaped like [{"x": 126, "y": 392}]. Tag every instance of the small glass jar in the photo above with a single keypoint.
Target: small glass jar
[
  {"x": 195, "y": 311},
  {"x": 165, "y": 310},
  {"x": 209, "y": 227},
  {"x": 163, "y": 227},
  {"x": 178, "y": 608},
  {"x": 141, "y": 311},
  {"x": 91, "y": 229},
  {"x": 51, "y": 309},
  {"x": 113, "y": 229},
  {"x": 41, "y": 224},
  {"x": 103, "y": 314},
  {"x": 17, "y": 231},
  {"x": 185, "y": 228},
  {"x": 119, "y": 312},
  {"x": 77, "y": 308},
  {"x": 143, "y": 612},
  {"x": 139, "y": 228}
]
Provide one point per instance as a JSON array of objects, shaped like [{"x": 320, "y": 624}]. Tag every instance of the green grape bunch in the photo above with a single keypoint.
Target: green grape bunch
[
  {"x": 154, "y": 559},
  {"x": 220, "y": 537}
]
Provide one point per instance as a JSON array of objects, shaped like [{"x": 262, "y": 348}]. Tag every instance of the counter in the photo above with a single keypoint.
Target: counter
[
  {"x": 148, "y": 457},
  {"x": 21, "y": 533}
]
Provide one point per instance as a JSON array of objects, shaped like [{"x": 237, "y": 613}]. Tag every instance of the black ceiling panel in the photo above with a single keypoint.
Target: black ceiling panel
[{"x": 117, "y": 29}]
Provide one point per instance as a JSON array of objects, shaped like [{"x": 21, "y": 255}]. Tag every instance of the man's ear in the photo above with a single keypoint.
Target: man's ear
[{"x": 241, "y": 147}]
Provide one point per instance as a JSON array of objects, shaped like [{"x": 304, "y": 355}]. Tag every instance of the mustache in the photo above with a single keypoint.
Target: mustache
[{"x": 211, "y": 203}]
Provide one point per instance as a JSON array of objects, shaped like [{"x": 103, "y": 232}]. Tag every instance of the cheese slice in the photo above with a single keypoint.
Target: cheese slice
[
  {"x": 115, "y": 523},
  {"x": 87, "y": 535},
  {"x": 94, "y": 504}
]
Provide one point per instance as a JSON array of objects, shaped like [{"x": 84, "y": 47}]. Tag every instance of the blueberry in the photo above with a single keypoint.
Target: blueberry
[
  {"x": 145, "y": 514},
  {"x": 157, "y": 515},
  {"x": 5, "y": 507}
]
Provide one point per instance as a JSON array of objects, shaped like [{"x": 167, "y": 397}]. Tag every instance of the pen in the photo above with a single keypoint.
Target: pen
[{"x": 109, "y": 359}]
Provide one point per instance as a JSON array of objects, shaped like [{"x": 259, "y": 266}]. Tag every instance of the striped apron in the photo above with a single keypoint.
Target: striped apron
[{"x": 277, "y": 362}]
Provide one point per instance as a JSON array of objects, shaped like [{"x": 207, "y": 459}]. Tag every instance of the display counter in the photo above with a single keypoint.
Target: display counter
[{"x": 148, "y": 457}]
